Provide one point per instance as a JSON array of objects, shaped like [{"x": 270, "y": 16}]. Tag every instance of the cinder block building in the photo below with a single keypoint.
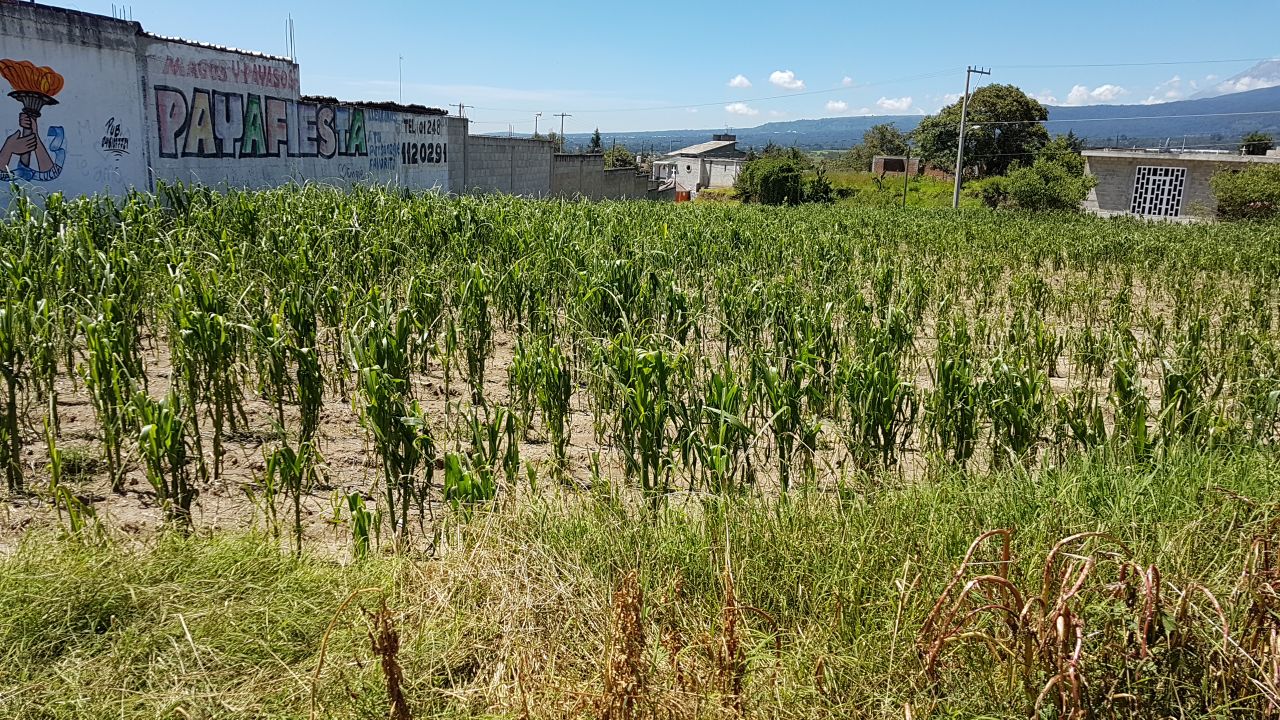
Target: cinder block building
[{"x": 1157, "y": 183}]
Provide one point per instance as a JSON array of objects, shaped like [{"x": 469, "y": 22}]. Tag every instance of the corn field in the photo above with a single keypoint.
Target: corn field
[
  {"x": 681, "y": 351},
  {"x": 357, "y": 370}
]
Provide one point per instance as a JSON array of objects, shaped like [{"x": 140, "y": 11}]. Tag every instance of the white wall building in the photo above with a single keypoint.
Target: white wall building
[{"x": 713, "y": 164}]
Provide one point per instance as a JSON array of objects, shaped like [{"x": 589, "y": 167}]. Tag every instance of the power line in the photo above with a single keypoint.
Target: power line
[
  {"x": 1125, "y": 117},
  {"x": 1131, "y": 64},
  {"x": 879, "y": 83},
  {"x": 803, "y": 93}
]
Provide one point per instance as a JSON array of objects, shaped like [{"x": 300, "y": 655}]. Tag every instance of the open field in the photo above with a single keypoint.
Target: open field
[{"x": 634, "y": 460}]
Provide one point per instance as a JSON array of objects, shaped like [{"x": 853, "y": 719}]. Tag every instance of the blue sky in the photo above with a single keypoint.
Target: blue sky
[{"x": 648, "y": 66}]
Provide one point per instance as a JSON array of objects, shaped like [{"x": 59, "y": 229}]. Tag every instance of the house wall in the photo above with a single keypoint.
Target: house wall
[
  {"x": 509, "y": 165},
  {"x": 1114, "y": 192},
  {"x": 690, "y": 174},
  {"x": 93, "y": 139},
  {"x": 586, "y": 176},
  {"x": 722, "y": 173}
]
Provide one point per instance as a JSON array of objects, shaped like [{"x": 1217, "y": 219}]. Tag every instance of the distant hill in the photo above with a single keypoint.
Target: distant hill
[
  {"x": 1202, "y": 121},
  {"x": 1206, "y": 121}
]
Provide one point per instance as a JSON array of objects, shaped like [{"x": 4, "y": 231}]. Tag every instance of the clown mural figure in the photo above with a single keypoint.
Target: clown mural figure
[{"x": 25, "y": 155}]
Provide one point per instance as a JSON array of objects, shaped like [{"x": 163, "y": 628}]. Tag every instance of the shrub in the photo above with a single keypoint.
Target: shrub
[
  {"x": 1253, "y": 192},
  {"x": 992, "y": 191},
  {"x": 1047, "y": 185}
]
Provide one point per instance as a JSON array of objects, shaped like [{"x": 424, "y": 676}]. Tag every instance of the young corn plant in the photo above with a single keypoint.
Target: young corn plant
[
  {"x": 292, "y": 472},
  {"x": 880, "y": 398},
  {"x": 110, "y": 384},
  {"x": 476, "y": 328},
  {"x": 163, "y": 436},
  {"x": 206, "y": 351},
  {"x": 951, "y": 408},
  {"x": 14, "y": 338}
]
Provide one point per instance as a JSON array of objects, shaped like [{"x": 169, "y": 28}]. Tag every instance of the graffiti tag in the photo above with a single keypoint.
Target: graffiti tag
[{"x": 114, "y": 140}]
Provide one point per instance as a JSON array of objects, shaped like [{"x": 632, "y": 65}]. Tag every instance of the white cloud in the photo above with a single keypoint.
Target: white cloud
[
  {"x": 778, "y": 113},
  {"x": 1082, "y": 95},
  {"x": 692, "y": 110},
  {"x": 1045, "y": 97},
  {"x": 847, "y": 81},
  {"x": 740, "y": 108},
  {"x": 1247, "y": 83},
  {"x": 950, "y": 98},
  {"x": 786, "y": 80},
  {"x": 837, "y": 106},
  {"x": 740, "y": 81},
  {"x": 897, "y": 105}
]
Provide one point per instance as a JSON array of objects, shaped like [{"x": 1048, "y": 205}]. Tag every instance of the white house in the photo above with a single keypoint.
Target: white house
[{"x": 713, "y": 164}]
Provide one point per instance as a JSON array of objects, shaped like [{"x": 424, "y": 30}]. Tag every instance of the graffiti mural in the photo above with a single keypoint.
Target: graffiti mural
[
  {"x": 26, "y": 155},
  {"x": 216, "y": 124}
]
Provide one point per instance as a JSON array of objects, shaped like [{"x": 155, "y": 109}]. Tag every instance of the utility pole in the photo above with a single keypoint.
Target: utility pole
[
  {"x": 535, "y": 123},
  {"x": 964, "y": 112},
  {"x": 462, "y": 109},
  {"x": 401, "y": 79},
  {"x": 562, "y": 116}
]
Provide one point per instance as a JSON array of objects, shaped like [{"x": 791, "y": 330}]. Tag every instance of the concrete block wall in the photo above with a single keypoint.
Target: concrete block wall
[
  {"x": 508, "y": 165},
  {"x": 585, "y": 176},
  {"x": 1114, "y": 191}
]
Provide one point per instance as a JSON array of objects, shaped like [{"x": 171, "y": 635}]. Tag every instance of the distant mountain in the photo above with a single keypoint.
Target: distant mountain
[
  {"x": 1214, "y": 121},
  {"x": 1263, "y": 75},
  {"x": 820, "y": 134}
]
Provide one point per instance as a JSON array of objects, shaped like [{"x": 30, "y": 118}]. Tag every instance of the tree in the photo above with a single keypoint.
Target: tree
[
  {"x": 882, "y": 139},
  {"x": 596, "y": 145},
  {"x": 619, "y": 156},
  {"x": 1065, "y": 150},
  {"x": 1005, "y": 125},
  {"x": 1257, "y": 143},
  {"x": 556, "y": 141},
  {"x": 1253, "y": 192}
]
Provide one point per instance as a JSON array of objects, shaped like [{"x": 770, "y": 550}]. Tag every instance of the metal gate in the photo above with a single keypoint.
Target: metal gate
[{"x": 1158, "y": 191}]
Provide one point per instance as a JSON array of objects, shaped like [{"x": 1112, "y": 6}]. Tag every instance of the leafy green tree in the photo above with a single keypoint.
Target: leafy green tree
[
  {"x": 1004, "y": 125},
  {"x": 596, "y": 144},
  {"x": 1253, "y": 192},
  {"x": 882, "y": 139},
  {"x": 619, "y": 156},
  {"x": 1257, "y": 143}
]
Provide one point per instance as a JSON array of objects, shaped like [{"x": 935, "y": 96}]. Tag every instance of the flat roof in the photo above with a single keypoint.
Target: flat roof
[
  {"x": 705, "y": 147},
  {"x": 1180, "y": 156}
]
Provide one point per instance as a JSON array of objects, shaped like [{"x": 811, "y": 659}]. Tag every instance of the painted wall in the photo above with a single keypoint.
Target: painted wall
[
  {"x": 104, "y": 107},
  {"x": 77, "y": 125}
]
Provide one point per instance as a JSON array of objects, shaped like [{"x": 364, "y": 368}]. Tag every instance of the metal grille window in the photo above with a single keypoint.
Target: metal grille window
[{"x": 1158, "y": 191}]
